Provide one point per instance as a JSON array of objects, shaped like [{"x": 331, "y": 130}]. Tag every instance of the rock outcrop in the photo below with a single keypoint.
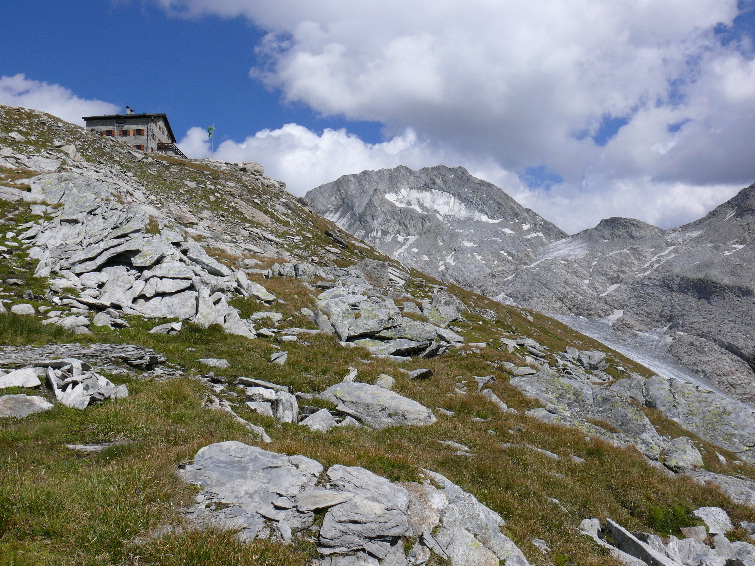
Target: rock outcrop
[
  {"x": 363, "y": 316},
  {"x": 576, "y": 398},
  {"x": 121, "y": 240},
  {"x": 694, "y": 283},
  {"x": 105, "y": 251},
  {"x": 707, "y": 545},
  {"x": 367, "y": 519}
]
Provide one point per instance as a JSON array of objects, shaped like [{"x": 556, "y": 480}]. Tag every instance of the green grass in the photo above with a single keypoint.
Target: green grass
[
  {"x": 112, "y": 496},
  {"x": 62, "y": 507},
  {"x": 218, "y": 548},
  {"x": 47, "y": 487},
  {"x": 668, "y": 520},
  {"x": 16, "y": 329}
]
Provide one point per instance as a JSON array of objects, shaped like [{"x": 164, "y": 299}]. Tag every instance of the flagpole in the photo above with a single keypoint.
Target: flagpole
[{"x": 212, "y": 139}]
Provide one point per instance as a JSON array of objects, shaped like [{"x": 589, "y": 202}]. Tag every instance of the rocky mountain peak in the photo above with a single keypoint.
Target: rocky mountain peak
[
  {"x": 695, "y": 280},
  {"x": 172, "y": 317},
  {"x": 617, "y": 229},
  {"x": 410, "y": 215},
  {"x": 746, "y": 199},
  {"x": 742, "y": 205}
]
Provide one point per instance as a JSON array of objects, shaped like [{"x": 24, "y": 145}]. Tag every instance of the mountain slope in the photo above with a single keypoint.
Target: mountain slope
[
  {"x": 692, "y": 286},
  {"x": 695, "y": 283},
  {"x": 439, "y": 220},
  {"x": 166, "y": 321}
]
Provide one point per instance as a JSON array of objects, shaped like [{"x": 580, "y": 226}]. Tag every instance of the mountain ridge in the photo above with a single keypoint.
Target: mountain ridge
[
  {"x": 185, "y": 348},
  {"x": 694, "y": 281},
  {"x": 400, "y": 210}
]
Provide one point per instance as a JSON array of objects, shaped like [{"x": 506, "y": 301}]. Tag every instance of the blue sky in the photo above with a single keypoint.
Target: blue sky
[
  {"x": 134, "y": 53},
  {"x": 580, "y": 110}
]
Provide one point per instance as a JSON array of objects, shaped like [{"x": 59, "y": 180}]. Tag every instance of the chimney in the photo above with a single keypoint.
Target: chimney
[{"x": 129, "y": 111}]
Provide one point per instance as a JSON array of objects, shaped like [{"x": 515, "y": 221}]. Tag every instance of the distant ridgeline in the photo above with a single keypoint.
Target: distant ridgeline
[{"x": 691, "y": 285}]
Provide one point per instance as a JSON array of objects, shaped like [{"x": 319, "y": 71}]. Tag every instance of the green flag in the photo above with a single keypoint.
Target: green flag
[{"x": 210, "y": 131}]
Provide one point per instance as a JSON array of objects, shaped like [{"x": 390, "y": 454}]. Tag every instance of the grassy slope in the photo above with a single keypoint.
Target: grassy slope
[{"x": 58, "y": 506}]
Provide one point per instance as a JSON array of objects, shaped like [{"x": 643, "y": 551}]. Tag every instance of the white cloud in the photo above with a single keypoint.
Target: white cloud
[
  {"x": 305, "y": 159},
  {"x": 662, "y": 204},
  {"x": 503, "y": 86},
  {"x": 17, "y": 90},
  {"x": 508, "y": 85}
]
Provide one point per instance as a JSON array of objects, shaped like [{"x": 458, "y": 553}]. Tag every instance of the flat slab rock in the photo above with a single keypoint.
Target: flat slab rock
[
  {"x": 368, "y": 520},
  {"x": 25, "y": 377},
  {"x": 700, "y": 547},
  {"x": 376, "y": 406},
  {"x": 257, "y": 489},
  {"x": 20, "y": 406},
  {"x": 374, "y": 515},
  {"x": 101, "y": 355},
  {"x": 740, "y": 490}
]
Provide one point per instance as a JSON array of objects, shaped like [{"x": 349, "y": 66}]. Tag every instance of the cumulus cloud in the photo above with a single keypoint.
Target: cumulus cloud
[
  {"x": 525, "y": 77},
  {"x": 579, "y": 109},
  {"x": 305, "y": 159},
  {"x": 17, "y": 90},
  {"x": 640, "y": 107},
  {"x": 665, "y": 205}
]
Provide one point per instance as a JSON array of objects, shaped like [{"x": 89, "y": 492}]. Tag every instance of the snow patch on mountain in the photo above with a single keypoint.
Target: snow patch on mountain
[
  {"x": 408, "y": 241},
  {"x": 658, "y": 256},
  {"x": 610, "y": 289},
  {"x": 442, "y": 203},
  {"x": 735, "y": 248},
  {"x": 565, "y": 248}
]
